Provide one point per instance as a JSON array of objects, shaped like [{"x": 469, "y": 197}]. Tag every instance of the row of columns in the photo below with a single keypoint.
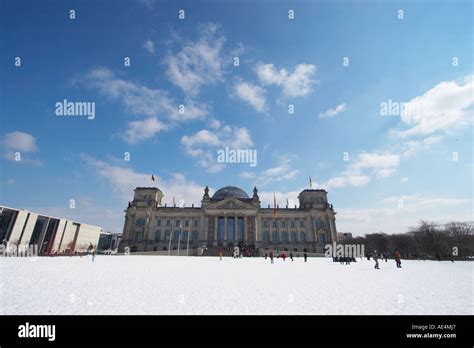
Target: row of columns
[{"x": 235, "y": 217}]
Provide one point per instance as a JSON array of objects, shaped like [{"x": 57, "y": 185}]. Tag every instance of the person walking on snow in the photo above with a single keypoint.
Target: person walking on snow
[
  {"x": 397, "y": 259},
  {"x": 376, "y": 259},
  {"x": 283, "y": 256},
  {"x": 291, "y": 256},
  {"x": 305, "y": 257},
  {"x": 220, "y": 255},
  {"x": 271, "y": 256}
]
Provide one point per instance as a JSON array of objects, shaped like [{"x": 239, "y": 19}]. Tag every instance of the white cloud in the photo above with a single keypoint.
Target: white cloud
[
  {"x": 203, "y": 145},
  {"x": 247, "y": 175},
  {"x": 124, "y": 179},
  {"x": 21, "y": 142},
  {"x": 377, "y": 161},
  {"x": 446, "y": 106},
  {"x": 410, "y": 148},
  {"x": 149, "y": 46},
  {"x": 345, "y": 180},
  {"x": 269, "y": 75},
  {"x": 297, "y": 84},
  {"x": 150, "y": 4},
  {"x": 383, "y": 173},
  {"x": 282, "y": 172},
  {"x": 198, "y": 63},
  {"x": 142, "y": 130},
  {"x": 155, "y": 105},
  {"x": 333, "y": 112},
  {"x": 359, "y": 173},
  {"x": 389, "y": 217},
  {"x": 418, "y": 201},
  {"x": 252, "y": 94}
]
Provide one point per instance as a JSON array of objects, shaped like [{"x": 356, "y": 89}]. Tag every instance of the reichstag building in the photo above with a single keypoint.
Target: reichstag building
[{"x": 227, "y": 219}]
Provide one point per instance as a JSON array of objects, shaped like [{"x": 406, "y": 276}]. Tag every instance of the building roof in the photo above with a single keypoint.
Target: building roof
[{"x": 230, "y": 191}]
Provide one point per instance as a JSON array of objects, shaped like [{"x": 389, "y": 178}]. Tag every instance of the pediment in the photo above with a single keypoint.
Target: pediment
[{"x": 231, "y": 203}]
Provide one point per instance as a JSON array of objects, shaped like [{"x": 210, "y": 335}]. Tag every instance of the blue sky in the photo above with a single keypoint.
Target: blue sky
[{"x": 382, "y": 172}]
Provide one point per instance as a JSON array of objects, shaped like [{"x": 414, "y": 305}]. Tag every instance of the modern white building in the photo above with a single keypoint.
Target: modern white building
[{"x": 52, "y": 235}]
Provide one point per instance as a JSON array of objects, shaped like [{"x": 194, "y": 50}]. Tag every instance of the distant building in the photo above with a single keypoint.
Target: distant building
[
  {"x": 109, "y": 241},
  {"x": 19, "y": 227},
  {"x": 344, "y": 236},
  {"x": 227, "y": 219}
]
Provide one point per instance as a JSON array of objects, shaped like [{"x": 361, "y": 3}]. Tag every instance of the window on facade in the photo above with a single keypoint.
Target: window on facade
[
  {"x": 273, "y": 223},
  {"x": 320, "y": 223},
  {"x": 274, "y": 237},
  {"x": 322, "y": 238},
  {"x": 176, "y": 236},
  {"x": 186, "y": 223},
  {"x": 302, "y": 237},
  {"x": 240, "y": 229},
  {"x": 293, "y": 224},
  {"x": 293, "y": 237},
  {"x": 158, "y": 222},
  {"x": 167, "y": 236},
  {"x": 185, "y": 236},
  {"x": 220, "y": 229},
  {"x": 301, "y": 223},
  {"x": 265, "y": 223},
  {"x": 195, "y": 237},
  {"x": 139, "y": 236},
  {"x": 196, "y": 222},
  {"x": 157, "y": 236},
  {"x": 140, "y": 222},
  {"x": 168, "y": 222},
  {"x": 177, "y": 222},
  {"x": 265, "y": 237},
  {"x": 230, "y": 228},
  {"x": 284, "y": 237}
]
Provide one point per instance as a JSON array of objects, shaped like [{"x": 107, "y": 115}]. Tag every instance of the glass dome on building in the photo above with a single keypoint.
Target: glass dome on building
[{"x": 230, "y": 191}]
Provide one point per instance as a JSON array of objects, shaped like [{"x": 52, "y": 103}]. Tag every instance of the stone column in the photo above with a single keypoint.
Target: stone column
[
  {"x": 236, "y": 232},
  {"x": 246, "y": 236},
  {"x": 225, "y": 228},
  {"x": 215, "y": 236},
  {"x": 204, "y": 224},
  {"x": 256, "y": 230}
]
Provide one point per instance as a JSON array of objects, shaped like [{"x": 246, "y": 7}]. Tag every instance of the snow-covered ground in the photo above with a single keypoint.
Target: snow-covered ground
[{"x": 204, "y": 285}]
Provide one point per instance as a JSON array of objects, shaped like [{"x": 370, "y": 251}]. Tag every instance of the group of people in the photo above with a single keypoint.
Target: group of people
[
  {"x": 344, "y": 260},
  {"x": 284, "y": 256}
]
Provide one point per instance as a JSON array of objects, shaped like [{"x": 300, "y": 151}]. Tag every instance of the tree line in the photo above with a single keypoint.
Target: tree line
[{"x": 428, "y": 240}]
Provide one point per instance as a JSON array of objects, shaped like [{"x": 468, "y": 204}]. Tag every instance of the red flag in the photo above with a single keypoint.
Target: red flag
[
  {"x": 275, "y": 211},
  {"x": 152, "y": 177}
]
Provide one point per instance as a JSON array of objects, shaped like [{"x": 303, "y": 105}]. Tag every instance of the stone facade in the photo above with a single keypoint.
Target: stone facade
[{"x": 228, "y": 218}]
